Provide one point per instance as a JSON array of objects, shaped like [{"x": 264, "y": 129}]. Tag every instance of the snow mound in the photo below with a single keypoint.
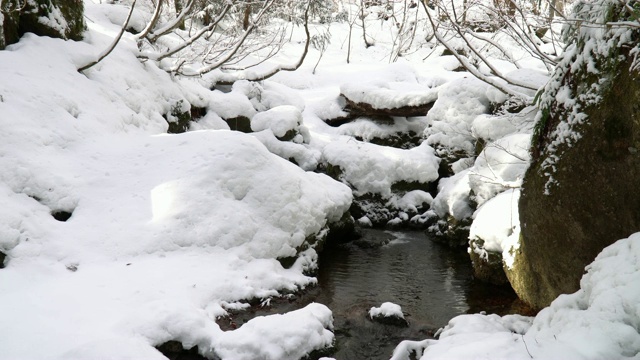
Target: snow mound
[
  {"x": 389, "y": 95},
  {"x": 303, "y": 331},
  {"x": 387, "y": 309},
  {"x": 453, "y": 197},
  {"x": 501, "y": 165},
  {"x": 371, "y": 168},
  {"x": 497, "y": 224},
  {"x": 280, "y": 120},
  {"x": 201, "y": 188},
  {"x": 459, "y": 103}
]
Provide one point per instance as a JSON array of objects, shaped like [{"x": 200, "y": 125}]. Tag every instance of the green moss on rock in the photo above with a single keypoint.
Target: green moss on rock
[
  {"x": 55, "y": 18},
  {"x": 239, "y": 123},
  {"x": 450, "y": 231},
  {"x": 580, "y": 195},
  {"x": 489, "y": 266}
]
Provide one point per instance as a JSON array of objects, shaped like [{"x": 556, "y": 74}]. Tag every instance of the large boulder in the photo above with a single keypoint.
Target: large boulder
[
  {"x": 55, "y": 18},
  {"x": 580, "y": 193}
]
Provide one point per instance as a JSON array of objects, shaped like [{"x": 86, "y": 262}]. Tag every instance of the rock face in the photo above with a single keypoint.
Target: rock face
[
  {"x": 357, "y": 109},
  {"x": 55, "y": 18},
  {"x": 487, "y": 266},
  {"x": 580, "y": 193}
]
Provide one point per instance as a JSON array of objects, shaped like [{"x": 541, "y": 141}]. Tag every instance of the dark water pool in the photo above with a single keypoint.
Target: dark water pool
[{"x": 431, "y": 282}]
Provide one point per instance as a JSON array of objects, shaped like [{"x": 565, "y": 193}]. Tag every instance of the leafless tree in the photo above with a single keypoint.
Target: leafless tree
[
  {"x": 505, "y": 18},
  {"x": 194, "y": 37}
]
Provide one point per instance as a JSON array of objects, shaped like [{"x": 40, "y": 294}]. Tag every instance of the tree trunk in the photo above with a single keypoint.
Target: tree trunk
[
  {"x": 178, "y": 5},
  {"x": 247, "y": 17}
]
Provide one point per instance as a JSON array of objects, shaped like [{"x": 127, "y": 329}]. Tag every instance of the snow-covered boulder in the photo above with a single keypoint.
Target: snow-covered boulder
[
  {"x": 387, "y": 99},
  {"x": 388, "y": 313},
  {"x": 381, "y": 176},
  {"x": 284, "y": 121},
  {"x": 494, "y": 236},
  {"x": 459, "y": 103}
]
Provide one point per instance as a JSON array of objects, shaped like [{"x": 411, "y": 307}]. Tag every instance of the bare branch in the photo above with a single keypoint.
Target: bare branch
[
  {"x": 188, "y": 42},
  {"x": 171, "y": 25},
  {"x": 473, "y": 70},
  {"x": 152, "y": 23},
  {"x": 115, "y": 42},
  {"x": 300, "y": 60}
]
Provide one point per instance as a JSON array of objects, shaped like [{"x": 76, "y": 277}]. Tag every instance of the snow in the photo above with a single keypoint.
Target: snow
[
  {"x": 371, "y": 168},
  {"x": 497, "y": 224},
  {"x": 599, "y": 321},
  {"x": 453, "y": 197},
  {"x": 280, "y": 120},
  {"x": 388, "y": 95},
  {"x": 368, "y": 130},
  {"x": 168, "y": 233},
  {"x": 459, "y": 103},
  {"x": 387, "y": 309},
  {"x": 500, "y": 165}
]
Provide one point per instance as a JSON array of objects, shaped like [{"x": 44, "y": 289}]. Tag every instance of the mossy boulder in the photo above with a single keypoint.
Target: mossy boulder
[
  {"x": 580, "y": 193},
  {"x": 55, "y": 18},
  {"x": 449, "y": 231},
  {"x": 239, "y": 123},
  {"x": 487, "y": 265}
]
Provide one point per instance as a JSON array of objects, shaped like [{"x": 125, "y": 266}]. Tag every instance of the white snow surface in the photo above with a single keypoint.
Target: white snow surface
[
  {"x": 371, "y": 168},
  {"x": 599, "y": 321},
  {"x": 389, "y": 95},
  {"x": 387, "y": 309},
  {"x": 497, "y": 223},
  {"x": 167, "y": 231},
  {"x": 280, "y": 120},
  {"x": 453, "y": 197},
  {"x": 459, "y": 103}
]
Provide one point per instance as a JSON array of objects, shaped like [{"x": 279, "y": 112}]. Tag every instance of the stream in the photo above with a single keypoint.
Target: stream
[{"x": 431, "y": 282}]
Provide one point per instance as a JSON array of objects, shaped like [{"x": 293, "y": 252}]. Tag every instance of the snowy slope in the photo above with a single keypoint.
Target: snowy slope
[{"x": 166, "y": 231}]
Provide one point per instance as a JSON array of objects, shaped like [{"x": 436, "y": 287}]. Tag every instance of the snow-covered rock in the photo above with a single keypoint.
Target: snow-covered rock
[
  {"x": 284, "y": 121},
  {"x": 388, "y": 313}
]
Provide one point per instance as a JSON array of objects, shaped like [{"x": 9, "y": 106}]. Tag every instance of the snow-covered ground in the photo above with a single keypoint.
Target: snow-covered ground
[{"x": 168, "y": 232}]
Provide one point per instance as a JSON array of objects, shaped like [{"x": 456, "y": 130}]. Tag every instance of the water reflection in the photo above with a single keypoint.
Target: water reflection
[{"x": 431, "y": 282}]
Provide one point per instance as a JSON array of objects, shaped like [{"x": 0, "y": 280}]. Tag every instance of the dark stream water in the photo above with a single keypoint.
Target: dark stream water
[{"x": 431, "y": 282}]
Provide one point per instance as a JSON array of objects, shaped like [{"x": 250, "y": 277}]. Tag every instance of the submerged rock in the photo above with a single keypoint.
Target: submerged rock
[{"x": 580, "y": 192}]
